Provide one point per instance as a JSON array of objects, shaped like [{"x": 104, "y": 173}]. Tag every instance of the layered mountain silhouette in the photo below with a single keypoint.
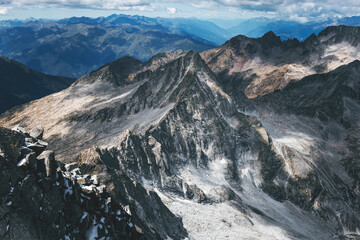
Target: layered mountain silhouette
[
  {"x": 74, "y": 47},
  {"x": 287, "y": 29},
  {"x": 257, "y": 138}
]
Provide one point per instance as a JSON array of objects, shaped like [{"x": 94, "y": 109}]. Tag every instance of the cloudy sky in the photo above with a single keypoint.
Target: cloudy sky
[{"x": 205, "y": 9}]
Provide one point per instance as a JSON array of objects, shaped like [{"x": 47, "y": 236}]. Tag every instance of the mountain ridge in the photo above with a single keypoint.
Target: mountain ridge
[
  {"x": 182, "y": 126},
  {"x": 77, "y": 46},
  {"x": 21, "y": 84},
  {"x": 262, "y": 65}
]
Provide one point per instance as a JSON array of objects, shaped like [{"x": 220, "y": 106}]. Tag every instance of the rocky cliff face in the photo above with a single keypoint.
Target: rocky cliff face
[
  {"x": 45, "y": 199},
  {"x": 314, "y": 125},
  {"x": 181, "y": 140}
]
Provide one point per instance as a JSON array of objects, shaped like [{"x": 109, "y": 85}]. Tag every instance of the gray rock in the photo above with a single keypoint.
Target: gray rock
[
  {"x": 31, "y": 160},
  {"x": 100, "y": 189},
  {"x": 42, "y": 142},
  {"x": 71, "y": 166},
  {"x": 19, "y": 129},
  {"x": 30, "y": 140},
  {"x": 37, "y": 132},
  {"x": 94, "y": 179},
  {"x": 187, "y": 191},
  {"x": 194, "y": 192},
  {"x": 36, "y": 207},
  {"x": 82, "y": 181},
  {"x": 37, "y": 147},
  {"x": 50, "y": 164}
]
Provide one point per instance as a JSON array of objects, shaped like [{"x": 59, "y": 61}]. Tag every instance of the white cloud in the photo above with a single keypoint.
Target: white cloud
[
  {"x": 90, "y": 4},
  {"x": 171, "y": 10},
  {"x": 290, "y": 9},
  {"x": 4, "y": 10}
]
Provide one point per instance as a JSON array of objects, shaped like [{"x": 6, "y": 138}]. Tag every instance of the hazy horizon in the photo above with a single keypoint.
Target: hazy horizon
[{"x": 223, "y": 12}]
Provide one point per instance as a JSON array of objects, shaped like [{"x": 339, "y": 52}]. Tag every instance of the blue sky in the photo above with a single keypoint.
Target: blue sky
[{"x": 223, "y": 9}]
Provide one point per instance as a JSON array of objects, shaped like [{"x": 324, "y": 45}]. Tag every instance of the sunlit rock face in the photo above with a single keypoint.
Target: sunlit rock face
[
  {"x": 259, "y": 66},
  {"x": 279, "y": 164}
]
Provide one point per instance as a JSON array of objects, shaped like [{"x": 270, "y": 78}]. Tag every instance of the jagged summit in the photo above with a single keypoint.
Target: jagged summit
[
  {"x": 341, "y": 33},
  {"x": 138, "y": 102},
  {"x": 116, "y": 72},
  {"x": 269, "y": 40},
  {"x": 123, "y": 71},
  {"x": 266, "y": 64}
]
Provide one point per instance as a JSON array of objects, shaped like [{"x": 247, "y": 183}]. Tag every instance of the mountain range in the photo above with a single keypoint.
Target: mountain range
[
  {"x": 288, "y": 29},
  {"x": 74, "y": 47},
  {"x": 257, "y": 138}
]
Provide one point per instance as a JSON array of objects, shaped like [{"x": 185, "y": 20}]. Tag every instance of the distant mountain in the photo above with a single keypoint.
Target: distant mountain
[
  {"x": 286, "y": 29},
  {"x": 11, "y": 23},
  {"x": 248, "y": 26},
  {"x": 203, "y": 29},
  {"x": 75, "y": 46},
  {"x": 20, "y": 84}
]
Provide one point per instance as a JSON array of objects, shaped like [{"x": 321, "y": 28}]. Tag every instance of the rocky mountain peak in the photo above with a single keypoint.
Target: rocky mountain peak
[
  {"x": 116, "y": 73},
  {"x": 269, "y": 40},
  {"x": 341, "y": 33}
]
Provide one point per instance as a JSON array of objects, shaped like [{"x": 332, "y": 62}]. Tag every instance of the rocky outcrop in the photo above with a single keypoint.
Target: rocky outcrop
[
  {"x": 43, "y": 199},
  {"x": 148, "y": 212},
  {"x": 37, "y": 132}
]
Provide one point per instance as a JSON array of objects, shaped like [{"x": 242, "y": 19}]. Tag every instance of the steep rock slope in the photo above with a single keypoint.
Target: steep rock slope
[
  {"x": 95, "y": 103},
  {"x": 170, "y": 126},
  {"x": 41, "y": 201},
  {"x": 310, "y": 112},
  {"x": 256, "y": 67},
  {"x": 20, "y": 84},
  {"x": 314, "y": 126}
]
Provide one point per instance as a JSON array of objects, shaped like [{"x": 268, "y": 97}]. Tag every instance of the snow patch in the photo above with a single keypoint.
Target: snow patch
[
  {"x": 343, "y": 52},
  {"x": 21, "y": 162},
  {"x": 92, "y": 233}
]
